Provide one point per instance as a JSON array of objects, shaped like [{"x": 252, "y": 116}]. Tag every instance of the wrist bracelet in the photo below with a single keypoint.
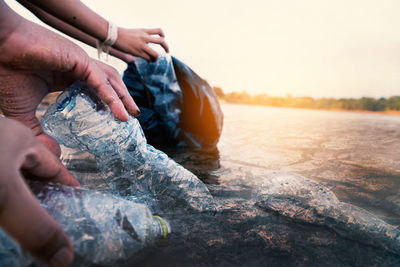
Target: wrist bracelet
[{"x": 112, "y": 36}]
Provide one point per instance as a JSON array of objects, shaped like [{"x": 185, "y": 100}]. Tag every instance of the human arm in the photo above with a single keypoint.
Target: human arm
[
  {"x": 71, "y": 30},
  {"x": 75, "y": 13},
  {"x": 28, "y": 72},
  {"x": 22, "y": 156}
]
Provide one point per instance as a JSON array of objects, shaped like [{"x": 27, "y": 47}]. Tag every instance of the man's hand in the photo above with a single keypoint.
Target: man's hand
[
  {"x": 22, "y": 155},
  {"x": 35, "y": 61}
]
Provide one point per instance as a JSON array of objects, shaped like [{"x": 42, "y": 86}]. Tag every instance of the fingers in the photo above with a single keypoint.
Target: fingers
[
  {"x": 50, "y": 143},
  {"x": 127, "y": 58},
  {"x": 135, "y": 42},
  {"x": 159, "y": 40},
  {"x": 36, "y": 160},
  {"x": 20, "y": 214},
  {"x": 41, "y": 164},
  {"x": 125, "y": 97},
  {"x": 97, "y": 79},
  {"x": 110, "y": 97},
  {"x": 145, "y": 56},
  {"x": 108, "y": 85},
  {"x": 24, "y": 219},
  {"x": 117, "y": 84},
  {"x": 151, "y": 53},
  {"x": 155, "y": 31}
]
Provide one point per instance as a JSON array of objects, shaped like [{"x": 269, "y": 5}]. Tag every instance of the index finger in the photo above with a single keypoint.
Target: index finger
[
  {"x": 159, "y": 40},
  {"x": 97, "y": 79},
  {"x": 155, "y": 31}
]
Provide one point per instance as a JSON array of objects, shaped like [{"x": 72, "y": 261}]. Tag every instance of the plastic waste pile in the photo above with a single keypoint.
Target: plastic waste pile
[
  {"x": 103, "y": 229},
  {"x": 126, "y": 164},
  {"x": 178, "y": 107}
]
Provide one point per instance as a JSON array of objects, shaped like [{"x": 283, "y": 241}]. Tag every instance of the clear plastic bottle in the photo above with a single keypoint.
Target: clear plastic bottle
[
  {"x": 126, "y": 164},
  {"x": 104, "y": 229}
]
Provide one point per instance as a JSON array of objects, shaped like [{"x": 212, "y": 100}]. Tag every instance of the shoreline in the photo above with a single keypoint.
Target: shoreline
[
  {"x": 51, "y": 97},
  {"x": 386, "y": 112}
]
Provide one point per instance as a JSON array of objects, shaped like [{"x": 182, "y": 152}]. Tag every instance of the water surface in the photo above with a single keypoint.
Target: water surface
[
  {"x": 350, "y": 154},
  {"x": 355, "y": 155}
]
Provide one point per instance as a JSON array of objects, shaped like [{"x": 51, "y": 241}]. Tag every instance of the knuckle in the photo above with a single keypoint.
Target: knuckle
[
  {"x": 122, "y": 97},
  {"x": 32, "y": 157},
  {"x": 113, "y": 72}
]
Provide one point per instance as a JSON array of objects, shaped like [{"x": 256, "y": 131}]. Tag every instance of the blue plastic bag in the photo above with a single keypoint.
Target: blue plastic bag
[{"x": 178, "y": 107}]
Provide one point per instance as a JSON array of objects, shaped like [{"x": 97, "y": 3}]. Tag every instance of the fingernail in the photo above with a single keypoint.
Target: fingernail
[
  {"x": 138, "y": 113},
  {"x": 62, "y": 258}
]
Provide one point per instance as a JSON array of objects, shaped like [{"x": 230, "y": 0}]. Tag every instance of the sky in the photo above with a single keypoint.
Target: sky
[{"x": 318, "y": 48}]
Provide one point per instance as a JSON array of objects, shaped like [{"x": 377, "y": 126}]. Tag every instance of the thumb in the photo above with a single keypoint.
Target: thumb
[
  {"x": 37, "y": 232},
  {"x": 50, "y": 143},
  {"x": 30, "y": 120}
]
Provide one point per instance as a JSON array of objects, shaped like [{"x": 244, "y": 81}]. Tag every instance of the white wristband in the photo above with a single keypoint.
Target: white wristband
[{"x": 112, "y": 36}]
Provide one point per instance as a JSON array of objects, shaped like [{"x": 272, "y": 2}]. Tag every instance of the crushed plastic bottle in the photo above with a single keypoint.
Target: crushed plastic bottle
[
  {"x": 104, "y": 229},
  {"x": 306, "y": 201},
  {"x": 127, "y": 165}
]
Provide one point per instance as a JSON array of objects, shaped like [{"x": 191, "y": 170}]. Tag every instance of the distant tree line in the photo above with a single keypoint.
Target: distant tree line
[{"x": 364, "y": 103}]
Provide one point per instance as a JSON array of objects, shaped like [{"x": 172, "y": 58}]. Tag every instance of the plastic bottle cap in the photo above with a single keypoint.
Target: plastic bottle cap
[{"x": 165, "y": 226}]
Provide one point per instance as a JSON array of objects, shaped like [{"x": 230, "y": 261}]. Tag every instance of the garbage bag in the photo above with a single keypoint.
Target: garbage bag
[{"x": 178, "y": 107}]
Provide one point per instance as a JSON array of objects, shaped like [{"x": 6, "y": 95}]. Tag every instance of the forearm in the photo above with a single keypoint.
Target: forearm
[
  {"x": 75, "y": 13},
  {"x": 69, "y": 29},
  {"x": 131, "y": 42}
]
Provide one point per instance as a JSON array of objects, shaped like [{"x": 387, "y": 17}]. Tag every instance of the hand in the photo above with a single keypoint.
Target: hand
[
  {"x": 35, "y": 61},
  {"x": 22, "y": 155},
  {"x": 135, "y": 42},
  {"x": 115, "y": 81}
]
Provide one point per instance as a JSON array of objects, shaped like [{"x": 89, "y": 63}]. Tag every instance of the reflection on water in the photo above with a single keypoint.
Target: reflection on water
[
  {"x": 355, "y": 155},
  {"x": 352, "y": 154}
]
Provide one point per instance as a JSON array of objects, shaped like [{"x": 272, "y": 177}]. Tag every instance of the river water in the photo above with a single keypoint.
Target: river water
[
  {"x": 272, "y": 178},
  {"x": 355, "y": 155}
]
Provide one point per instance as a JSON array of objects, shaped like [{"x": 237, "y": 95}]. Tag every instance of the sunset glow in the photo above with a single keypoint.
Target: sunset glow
[{"x": 304, "y": 48}]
